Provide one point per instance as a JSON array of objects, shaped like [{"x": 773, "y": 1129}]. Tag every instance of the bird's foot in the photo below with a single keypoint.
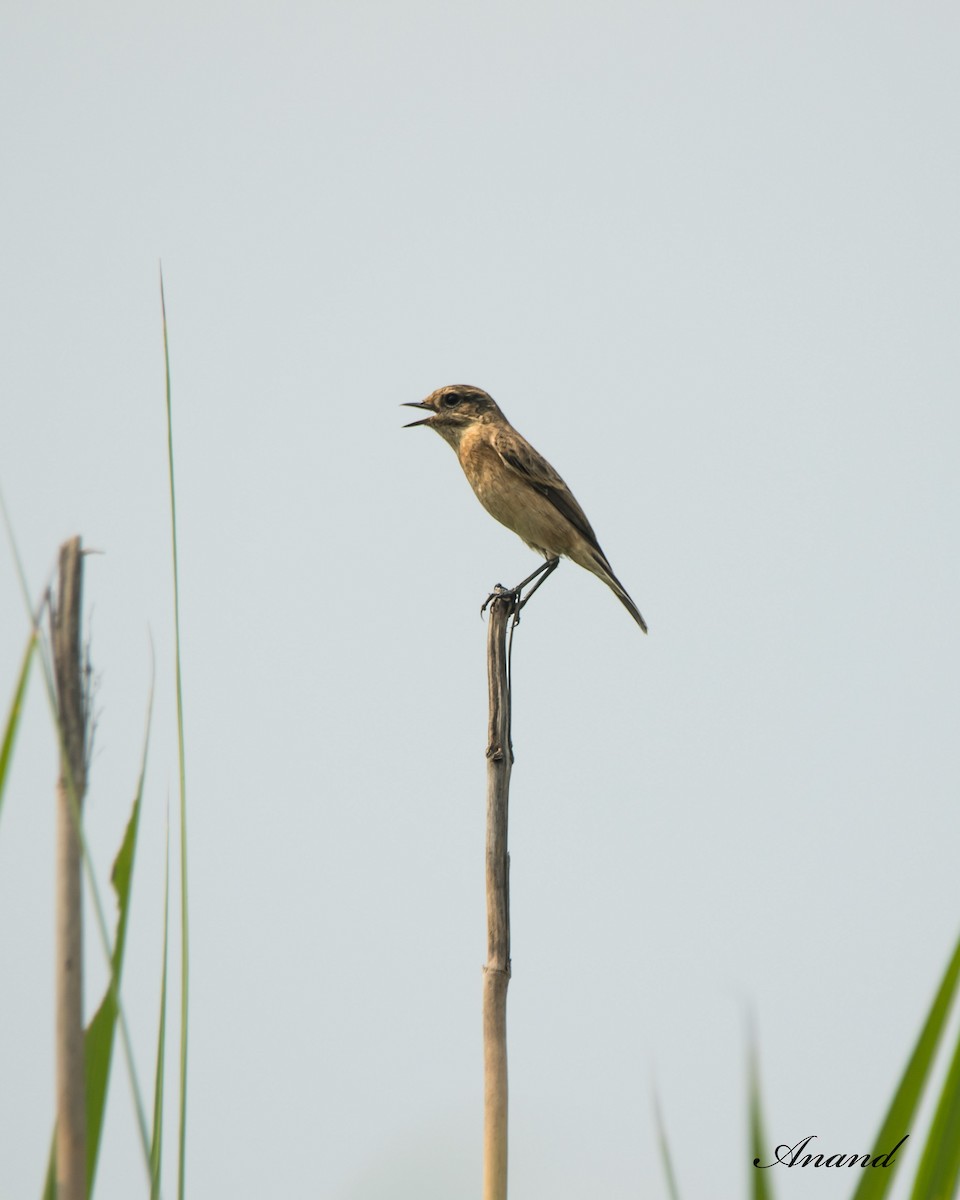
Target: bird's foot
[
  {"x": 511, "y": 595},
  {"x": 515, "y": 594}
]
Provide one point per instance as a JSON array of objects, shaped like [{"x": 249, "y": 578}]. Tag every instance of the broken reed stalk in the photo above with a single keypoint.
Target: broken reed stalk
[
  {"x": 72, "y": 695},
  {"x": 496, "y": 972}
]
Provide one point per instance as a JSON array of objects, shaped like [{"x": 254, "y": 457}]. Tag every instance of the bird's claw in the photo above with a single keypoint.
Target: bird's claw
[{"x": 501, "y": 593}]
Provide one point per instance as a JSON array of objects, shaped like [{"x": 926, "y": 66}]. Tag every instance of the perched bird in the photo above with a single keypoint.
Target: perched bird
[{"x": 518, "y": 486}]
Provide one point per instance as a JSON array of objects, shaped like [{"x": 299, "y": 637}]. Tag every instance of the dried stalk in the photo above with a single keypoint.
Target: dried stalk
[
  {"x": 496, "y": 972},
  {"x": 72, "y": 694}
]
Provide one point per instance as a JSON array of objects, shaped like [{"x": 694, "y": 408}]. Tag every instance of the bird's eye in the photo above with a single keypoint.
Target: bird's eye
[{"x": 451, "y": 400}]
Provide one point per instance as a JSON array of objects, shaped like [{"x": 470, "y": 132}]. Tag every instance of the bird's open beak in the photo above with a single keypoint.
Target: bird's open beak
[{"x": 417, "y": 404}]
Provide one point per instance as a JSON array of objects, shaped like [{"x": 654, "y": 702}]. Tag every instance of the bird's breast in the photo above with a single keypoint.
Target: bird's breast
[{"x": 510, "y": 498}]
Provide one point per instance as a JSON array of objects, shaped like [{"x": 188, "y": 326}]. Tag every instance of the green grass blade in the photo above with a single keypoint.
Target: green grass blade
[
  {"x": 939, "y": 1167},
  {"x": 156, "y": 1141},
  {"x": 16, "y": 709},
  {"x": 99, "y": 1038},
  {"x": 50, "y": 1183},
  {"x": 875, "y": 1184},
  {"x": 672, "y": 1190},
  {"x": 762, "y": 1188},
  {"x": 18, "y": 561},
  {"x": 184, "y": 908}
]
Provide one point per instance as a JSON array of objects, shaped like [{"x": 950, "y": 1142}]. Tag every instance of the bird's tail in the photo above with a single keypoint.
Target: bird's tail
[{"x": 601, "y": 568}]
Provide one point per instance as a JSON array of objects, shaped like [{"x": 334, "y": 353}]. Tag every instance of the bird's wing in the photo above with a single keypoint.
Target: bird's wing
[{"x": 517, "y": 453}]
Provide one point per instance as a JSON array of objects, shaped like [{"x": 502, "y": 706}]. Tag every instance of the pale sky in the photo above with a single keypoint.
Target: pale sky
[{"x": 706, "y": 258}]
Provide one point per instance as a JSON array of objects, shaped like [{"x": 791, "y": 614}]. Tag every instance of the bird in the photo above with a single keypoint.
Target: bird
[{"x": 517, "y": 486}]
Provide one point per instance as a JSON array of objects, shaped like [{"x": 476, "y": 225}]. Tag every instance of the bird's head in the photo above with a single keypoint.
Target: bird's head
[{"x": 454, "y": 409}]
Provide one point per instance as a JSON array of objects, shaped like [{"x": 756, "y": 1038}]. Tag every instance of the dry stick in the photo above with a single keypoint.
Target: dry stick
[
  {"x": 496, "y": 973},
  {"x": 72, "y": 705}
]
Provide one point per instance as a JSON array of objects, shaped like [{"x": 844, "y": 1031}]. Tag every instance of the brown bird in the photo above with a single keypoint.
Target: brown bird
[{"x": 518, "y": 486}]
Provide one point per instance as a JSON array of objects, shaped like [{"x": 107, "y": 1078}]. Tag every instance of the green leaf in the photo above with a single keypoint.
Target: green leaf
[
  {"x": 99, "y": 1039},
  {"x": 874, "y": 1184},
  {"x": 156, "y": 1141},
  {"x": 16, "y": 709},
  {"x": 672, "y": 1188},
  {"x": 762, "y": 1188},
  {"x": 940, "y": 1162},
  {"x": 184, "y": 905}
]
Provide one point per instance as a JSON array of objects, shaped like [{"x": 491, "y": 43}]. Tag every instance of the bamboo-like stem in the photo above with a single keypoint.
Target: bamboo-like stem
[
  {"x": 72, "y": 692},
  {"x": 496, "y": 972}
]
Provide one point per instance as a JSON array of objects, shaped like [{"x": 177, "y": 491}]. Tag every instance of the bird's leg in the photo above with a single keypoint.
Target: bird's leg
[
  {"x": 544, "y": 572},
  {"x": 515, "y": 593}
]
